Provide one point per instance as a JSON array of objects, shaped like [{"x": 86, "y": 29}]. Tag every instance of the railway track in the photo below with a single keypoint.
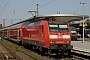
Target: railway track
[
  {"x": 8, "y": 55},
  {"x": 76, "y": 55},
  {"x": 80, "y": 54},
  {"x": 26, "y": 52}
]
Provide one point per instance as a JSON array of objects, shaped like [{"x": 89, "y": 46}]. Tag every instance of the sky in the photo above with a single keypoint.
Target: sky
[{"x": 17, "y": 10}]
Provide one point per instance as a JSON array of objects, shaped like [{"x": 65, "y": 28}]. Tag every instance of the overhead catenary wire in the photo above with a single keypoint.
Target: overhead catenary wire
[
  {"x": 1, "y": 3},
  {"x": 46, "y": 4},
  {"x": 24, "y": 15},
  {"x": 4, "y": 7},
  {"x": 43, "y": 5}
]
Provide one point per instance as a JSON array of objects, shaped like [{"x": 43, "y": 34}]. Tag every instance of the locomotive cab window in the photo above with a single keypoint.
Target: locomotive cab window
[{"x": 58, "y": 26}]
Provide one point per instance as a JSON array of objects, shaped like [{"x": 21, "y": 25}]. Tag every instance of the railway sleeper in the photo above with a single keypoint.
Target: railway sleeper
[
  {"x": 7, "y": 55},
  {"x": 11, "y": 57},
  {"x": 1, "y": 56}
]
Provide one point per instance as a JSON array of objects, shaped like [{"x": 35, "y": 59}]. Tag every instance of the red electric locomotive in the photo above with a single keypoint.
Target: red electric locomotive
[
  {"x": 44, "y": 34},
  {"x": 48, "y": 36}
]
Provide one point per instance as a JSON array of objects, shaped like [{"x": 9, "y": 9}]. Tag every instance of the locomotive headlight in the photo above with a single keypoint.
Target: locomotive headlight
[
  {"x": 73, "y": 31},
  {"x": 53, "y": 36},
  {"x": 51, "y": 41},
  {"x": 66, "y": 36},
  {"x": 68, "y": 42}
]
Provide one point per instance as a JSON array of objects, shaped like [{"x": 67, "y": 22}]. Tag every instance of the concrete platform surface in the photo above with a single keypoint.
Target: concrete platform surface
[{"x": 78, "y": 45}]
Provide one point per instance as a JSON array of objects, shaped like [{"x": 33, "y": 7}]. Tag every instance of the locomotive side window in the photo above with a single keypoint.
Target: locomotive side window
[
  {"x": 31, "y": 24},
  {"x": 34, "y": 23},
  {"x": 58, "y": 26}
]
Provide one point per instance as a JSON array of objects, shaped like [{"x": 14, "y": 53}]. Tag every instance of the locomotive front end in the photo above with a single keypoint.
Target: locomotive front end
[{"x": 59, "y": 37}]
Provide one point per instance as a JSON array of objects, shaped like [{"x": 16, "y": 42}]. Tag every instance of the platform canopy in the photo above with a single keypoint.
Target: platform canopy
[{"x": 68, "y": 17}]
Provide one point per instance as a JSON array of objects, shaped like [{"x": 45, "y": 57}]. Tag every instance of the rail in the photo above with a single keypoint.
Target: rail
[
  {"x": 81, "y": 54},
  {"x": 10, "y": 55}
]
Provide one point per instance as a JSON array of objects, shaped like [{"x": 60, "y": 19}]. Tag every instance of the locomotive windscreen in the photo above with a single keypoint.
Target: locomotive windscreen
[{"x": 58, "y": 26}]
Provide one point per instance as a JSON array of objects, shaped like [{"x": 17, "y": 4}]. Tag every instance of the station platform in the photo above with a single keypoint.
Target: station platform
[{"x": 80, "y": 46}]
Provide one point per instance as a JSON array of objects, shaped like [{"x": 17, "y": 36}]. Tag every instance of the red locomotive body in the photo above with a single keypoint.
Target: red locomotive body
[{"x": 50, "y": 36}]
